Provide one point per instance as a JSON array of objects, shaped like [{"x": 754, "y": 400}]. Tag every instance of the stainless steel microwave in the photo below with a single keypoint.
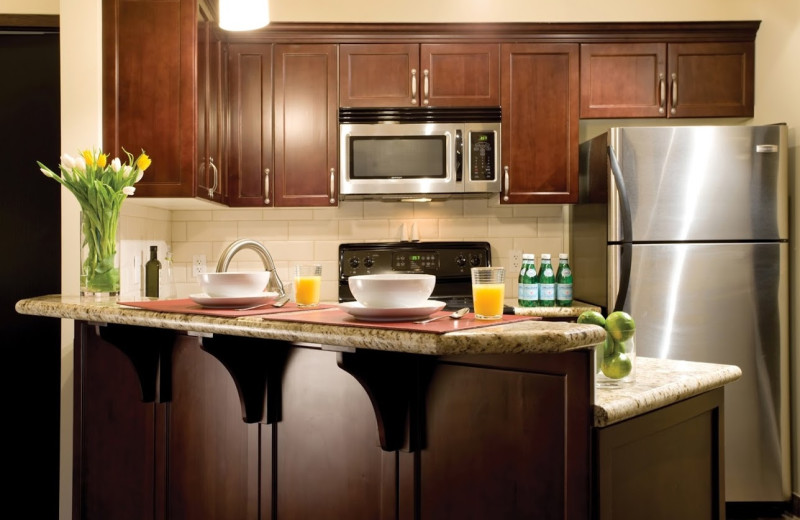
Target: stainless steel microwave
[{"x": 419, "y": 153}]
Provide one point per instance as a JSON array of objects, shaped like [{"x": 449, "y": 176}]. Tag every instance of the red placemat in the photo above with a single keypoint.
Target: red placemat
[
  {"x": 187, "y": 306},
  {"x": 335, "y": 316}
]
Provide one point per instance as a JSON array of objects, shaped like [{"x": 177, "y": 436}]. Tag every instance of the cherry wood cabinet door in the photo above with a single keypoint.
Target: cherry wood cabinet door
[
  {"x": 711, "y": 79},
  {"x": 306, "y": 125},
  {"x": 539, "y": 96},
  {"x": 250, "y": 167},
  {"x": 213, "y": 454},
  {"x": 149, "y": 103},
  {"x": 379, "y": 75},
  {"x": 507, "y": 438},
  {"x": 326, "y": 455},
  {"x": 211, "y": 95},
  {"x": 410, "y": 75},
  {"x": 117, "y": 439},
  {"x": 460, "y": 74},
  {"x": 623, "y": 80}
]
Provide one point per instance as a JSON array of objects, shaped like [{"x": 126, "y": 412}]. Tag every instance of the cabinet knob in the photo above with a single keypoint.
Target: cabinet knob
[
  {"x": 413, "y": 86},
  {"x": 674, "y": 93},
  {"x": 213, "y": 187},
  {"x": 662, "y": 93},
  {"x": 425, "y": 86},
  {"x": 266, "y": 186},
  {"x": 333, "y": 186},
  {"x": 505, "y": 183}
]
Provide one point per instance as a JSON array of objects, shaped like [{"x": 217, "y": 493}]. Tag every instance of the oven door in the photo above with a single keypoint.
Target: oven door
[{"x": 386, "y": 159}]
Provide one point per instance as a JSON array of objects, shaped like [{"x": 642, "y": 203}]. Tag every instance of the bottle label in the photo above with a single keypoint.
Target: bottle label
[
  {"x": 547, "y": 291},
  {"x": 531, "y": 272},
  {"x": 530, "y": 291},
  {"x": 564, "y": 292},
  {"x": 566, "y": 271}
]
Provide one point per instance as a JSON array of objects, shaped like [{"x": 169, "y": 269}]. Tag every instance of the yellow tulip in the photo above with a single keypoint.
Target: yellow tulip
[
  {"x": 143, "y": 162},
  {"x": 88, "y": 157},
  {"x": 101, "y": 160}
]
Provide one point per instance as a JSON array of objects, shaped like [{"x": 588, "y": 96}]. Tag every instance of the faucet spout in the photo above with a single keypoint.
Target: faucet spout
[{"x": 275, "y": 283}]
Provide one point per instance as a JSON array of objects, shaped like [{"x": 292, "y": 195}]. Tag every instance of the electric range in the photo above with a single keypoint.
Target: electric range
[{"x": 450, "y": 262}]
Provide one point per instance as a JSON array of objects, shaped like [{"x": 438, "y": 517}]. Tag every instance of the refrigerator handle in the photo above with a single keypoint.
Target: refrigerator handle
[{"x": 626, "y": 250}]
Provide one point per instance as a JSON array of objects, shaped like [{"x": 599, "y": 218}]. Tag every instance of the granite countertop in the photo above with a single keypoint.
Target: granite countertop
[
  {"x": 509, "y": 338},
  {"x": 659, "y": 382}
]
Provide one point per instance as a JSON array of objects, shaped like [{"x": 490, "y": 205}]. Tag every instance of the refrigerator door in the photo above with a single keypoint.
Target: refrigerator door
[
  {"x": 701, "y": 183},
  {"x": 723, "y": 303}
]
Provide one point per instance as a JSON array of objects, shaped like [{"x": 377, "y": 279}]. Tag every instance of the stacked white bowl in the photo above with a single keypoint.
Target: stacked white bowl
[{"x": 392, "y": 291}]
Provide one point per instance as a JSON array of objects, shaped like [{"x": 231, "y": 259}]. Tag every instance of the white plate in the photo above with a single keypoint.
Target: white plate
[
  {"x": 234, "y": 303},
  {"x": 394, "y": 314}
]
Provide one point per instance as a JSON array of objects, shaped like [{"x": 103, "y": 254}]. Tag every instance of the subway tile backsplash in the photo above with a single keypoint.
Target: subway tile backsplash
[{"x": 295, "y": 235}]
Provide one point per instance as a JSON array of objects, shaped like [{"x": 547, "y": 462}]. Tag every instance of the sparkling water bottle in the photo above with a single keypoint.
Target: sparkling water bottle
[
  {"x": 528, "y": 282},
  {"x": 547, "y": 283},
  {"x": 563, "y": 282}
]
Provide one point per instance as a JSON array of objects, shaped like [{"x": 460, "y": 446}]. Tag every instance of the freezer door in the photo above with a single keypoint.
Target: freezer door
[
  {"x": 701, "y": 183},
  {"x": 729, "y": 304}
]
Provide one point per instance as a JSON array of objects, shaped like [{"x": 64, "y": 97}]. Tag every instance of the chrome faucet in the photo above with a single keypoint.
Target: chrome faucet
[{"x": 274, "y": 284}]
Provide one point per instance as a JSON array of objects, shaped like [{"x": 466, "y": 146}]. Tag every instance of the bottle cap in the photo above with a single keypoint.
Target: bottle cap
[
  {"x": 527, "y": 256},
  {"x": 563, "y": 255},
  {"x": 545, "y": 256}
]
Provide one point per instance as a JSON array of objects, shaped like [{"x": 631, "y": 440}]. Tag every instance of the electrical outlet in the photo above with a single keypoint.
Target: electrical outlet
[
  {"x": 515, "y": 260},
  {"x": 198, "y": 265}
]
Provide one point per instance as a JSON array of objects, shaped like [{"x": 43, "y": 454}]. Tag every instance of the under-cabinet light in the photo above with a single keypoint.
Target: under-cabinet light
[{"x": 243, "y": 15}]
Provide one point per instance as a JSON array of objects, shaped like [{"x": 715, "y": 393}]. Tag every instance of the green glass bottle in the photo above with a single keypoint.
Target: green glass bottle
[
  {"x": 528, "y": 282},
  {"x": 151, "y": 269},
  {"x": 563, "y": 282},
  {"x": 547, "y": 283}
]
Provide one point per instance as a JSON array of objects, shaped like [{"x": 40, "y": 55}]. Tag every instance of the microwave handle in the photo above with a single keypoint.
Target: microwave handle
[{"x": 459, "y": 156}]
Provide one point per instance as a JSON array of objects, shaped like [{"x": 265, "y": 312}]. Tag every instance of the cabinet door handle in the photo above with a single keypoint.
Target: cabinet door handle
[
  {"x": 505, "y": 186},
  {"x": 413, "y": 86},
  {"x": 674, "y": 93},
  {"x": 333, "y": 185},
  {"x": 425, "y": 86},
  {"x": 662, "y": 93},
  {"x": 213, "y": 187},
  {"x": 266, "y": 186}
]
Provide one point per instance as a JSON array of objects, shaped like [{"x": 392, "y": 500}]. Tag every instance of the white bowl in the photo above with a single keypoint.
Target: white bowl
[
  {"x": 234, "y": 285},
  {"x": 392, "y": 291}
]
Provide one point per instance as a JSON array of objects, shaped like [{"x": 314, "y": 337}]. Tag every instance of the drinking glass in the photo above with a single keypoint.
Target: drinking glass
[
  {"x": 307, "y": 279},
  {"x": 488, "y": 292}
]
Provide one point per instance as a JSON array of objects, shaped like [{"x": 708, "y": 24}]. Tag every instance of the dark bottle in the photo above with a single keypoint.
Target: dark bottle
[
  {"x": 563, "y": 282},
  {"x": 547, "y": 283},
  {"x": 151, "y": 269}
]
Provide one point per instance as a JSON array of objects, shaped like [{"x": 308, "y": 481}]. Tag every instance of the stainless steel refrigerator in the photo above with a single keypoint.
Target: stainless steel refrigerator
[{"x": 687, "y": 229}]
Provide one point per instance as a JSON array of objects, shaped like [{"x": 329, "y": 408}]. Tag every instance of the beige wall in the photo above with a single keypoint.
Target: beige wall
[{"x": 190, "y": 231}]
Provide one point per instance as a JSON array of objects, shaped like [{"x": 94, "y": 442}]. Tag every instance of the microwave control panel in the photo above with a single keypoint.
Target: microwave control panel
[{"x": 481, "y": 157}]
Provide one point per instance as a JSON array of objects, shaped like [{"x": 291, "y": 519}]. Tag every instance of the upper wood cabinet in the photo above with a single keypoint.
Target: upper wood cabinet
[
  {"x": 212, "y": 179},
  {"x": 250, "y": 166},
  {"x": 306, "y": 125},
  {"x": 152, "y": 92},
  {"x": 684, "y": 79},
  {"x": 410, "y": 74},
  {"x": 540, "y": 123}
]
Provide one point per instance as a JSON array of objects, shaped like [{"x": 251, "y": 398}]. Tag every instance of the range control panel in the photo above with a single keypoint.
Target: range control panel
[{"x": 442, "y": 259}]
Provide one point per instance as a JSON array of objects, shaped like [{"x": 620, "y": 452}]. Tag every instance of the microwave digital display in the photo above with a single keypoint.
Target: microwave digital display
[{"x": 396, "y": 157}]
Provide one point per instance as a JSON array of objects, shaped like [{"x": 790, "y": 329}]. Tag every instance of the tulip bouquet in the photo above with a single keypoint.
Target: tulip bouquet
[{"x": 100, "y": 188}]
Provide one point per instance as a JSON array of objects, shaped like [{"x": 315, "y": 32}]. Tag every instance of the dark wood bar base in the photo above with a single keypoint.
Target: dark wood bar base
[{"x": 370, "y": 435}]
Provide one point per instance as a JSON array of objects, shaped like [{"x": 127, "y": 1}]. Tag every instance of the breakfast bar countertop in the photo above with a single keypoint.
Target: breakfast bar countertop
[{"x": 658, "y": 382}]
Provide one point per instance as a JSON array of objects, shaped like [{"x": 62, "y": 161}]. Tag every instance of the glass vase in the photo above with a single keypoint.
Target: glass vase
[{"x": 99, "y": 258}]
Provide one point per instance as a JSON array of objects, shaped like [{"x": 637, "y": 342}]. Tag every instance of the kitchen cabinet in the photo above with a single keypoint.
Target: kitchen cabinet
[
  {"x": 250, "y": 167},
  {"x": 643, "y": 464},
  {"x": 306, "y": 125},
  {"x": 539, "y": 96},
  {"x": 670, "y": 80},
  {"x": 412, "y": 74},
  {"x": 211, "y": 98}
]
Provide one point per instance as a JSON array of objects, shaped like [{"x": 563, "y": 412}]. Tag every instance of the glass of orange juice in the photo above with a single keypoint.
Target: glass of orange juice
[
  {"x": 488, "y": 292},
  {"x": 307, "y": 279}
]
